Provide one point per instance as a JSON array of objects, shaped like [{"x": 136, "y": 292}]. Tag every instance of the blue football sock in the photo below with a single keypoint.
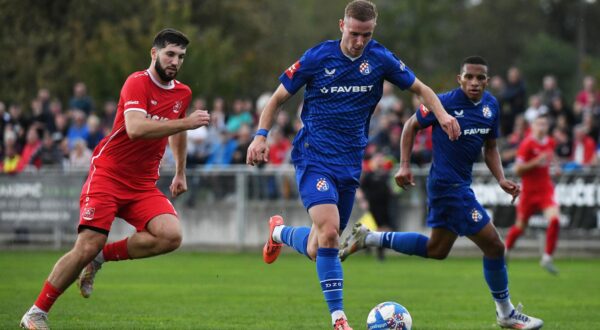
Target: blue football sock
[
  {"x": 296, "y": 238},
  {"x": 407, "y": 243},
  {"x": 496, "y": 276},
  {"x": 329, "y": 270}
]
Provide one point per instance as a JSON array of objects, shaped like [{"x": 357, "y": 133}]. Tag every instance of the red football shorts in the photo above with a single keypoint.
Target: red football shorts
[
  {"x": 532, "y": 203},
  {"x": 102, "y": 199}
]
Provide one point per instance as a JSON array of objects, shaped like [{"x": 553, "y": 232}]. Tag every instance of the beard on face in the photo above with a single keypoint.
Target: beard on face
[{"x": 162, "y": 73}]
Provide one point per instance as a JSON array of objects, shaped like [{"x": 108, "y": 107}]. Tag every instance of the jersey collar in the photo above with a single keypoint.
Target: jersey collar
[{"x": 170, "y": 85}]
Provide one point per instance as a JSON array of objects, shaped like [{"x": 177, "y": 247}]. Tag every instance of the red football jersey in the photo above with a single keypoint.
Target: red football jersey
[
  {"x": 536, "y": 179},
  {"x": 136, "y": 162}
]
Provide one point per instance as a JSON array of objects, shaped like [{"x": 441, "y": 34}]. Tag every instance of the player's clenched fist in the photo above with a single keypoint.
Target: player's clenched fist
[
  {"x": 404, "y": 177},
  {"x": 258, "y": 151},
  {"x": 198, "y": 118}
]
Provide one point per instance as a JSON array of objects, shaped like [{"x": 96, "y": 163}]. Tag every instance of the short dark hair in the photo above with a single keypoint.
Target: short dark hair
[
  {"x": 170, "y": 36},
  {"x": 473, "y": 60},
  {"x": 362, "y": 10}
]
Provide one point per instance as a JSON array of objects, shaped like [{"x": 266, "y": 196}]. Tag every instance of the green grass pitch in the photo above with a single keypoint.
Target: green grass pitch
[{"x": 186, "y": 290}]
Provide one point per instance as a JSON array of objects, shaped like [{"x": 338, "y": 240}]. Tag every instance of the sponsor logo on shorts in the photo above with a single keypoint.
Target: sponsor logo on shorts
[
  {"x": 322, "y": 184},
  {"x": 88, "y": 213},
  {"x": 476, "y": 216}
]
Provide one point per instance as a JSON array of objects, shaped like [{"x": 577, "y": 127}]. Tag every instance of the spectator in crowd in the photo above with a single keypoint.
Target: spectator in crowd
[
  {"x": 564, "y": 145},
  {"x": 80, "y": 156},
  {"x": 4, "y": 121},
  {"x": 508, "y": 146},
  {"x": 198, "y": 146},
  {"x": 381, "y": 137},
  {"x": 19, "y": 124},
  {"x": 81, "y": 99},
  {"x": 584, "y": 148},
  {"x": 61, "y": 126},
  {"x": 218, "y": 112},
  {"x": 244, "y": 138},
  {"x": 388, "y": 100},
  {"x": 95, "y": 133},
  {"x": 515, "y": 97},
  {"x": 284, "y": 123},
  {"x": 240, "y": 116},
  {"x": 108, "y": 117},
  {"x": 536, "y": 108},
  {"x": 261, "y": 102},
  {"x": 30, "y": 149},
  {"x": 395, "y": 136},
  {"x": 39, "y": 116},
  {"x": 497, "y": 86},
  {"x": 222, "y": 150},
  {"x": 587, "y": 97},
  {"x": 78, "y": 128},
  {"x": 559, "y": 109},
  {"x": 43, "y": 96},
  {"x": 549, "y": 90},
  {"x": 55, "y": 109},
  {"x": 280, "y": 147},
  {"x": 591, "y": 126},
  {"x": 11, "y": 155},
  {"x": 49, "y": 154}
]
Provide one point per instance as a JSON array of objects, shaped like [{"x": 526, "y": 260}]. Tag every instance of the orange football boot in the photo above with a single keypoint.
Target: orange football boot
[{"x": 272, "y": 249}]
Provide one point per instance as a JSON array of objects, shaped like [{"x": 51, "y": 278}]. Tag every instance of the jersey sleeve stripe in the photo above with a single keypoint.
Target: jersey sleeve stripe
[{"x": 135, "y": 109}]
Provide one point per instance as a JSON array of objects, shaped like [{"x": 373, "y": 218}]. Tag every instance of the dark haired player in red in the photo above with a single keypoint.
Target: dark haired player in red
[
  {"x": 123, "y": 173},
  {"x": 533, "y": 165}
]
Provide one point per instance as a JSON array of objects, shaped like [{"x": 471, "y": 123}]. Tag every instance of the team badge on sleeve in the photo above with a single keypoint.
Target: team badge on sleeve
[
  {"x": 88, "y": 213},
  {"x": 424, "y": 111},
  {"x": 476, "y": 216},
  {"x": 322, "y": 185},
  {"x": 487, "y": 112},
  {"x": 292, "y": 69},
  {"x": 364, "y": 68}
]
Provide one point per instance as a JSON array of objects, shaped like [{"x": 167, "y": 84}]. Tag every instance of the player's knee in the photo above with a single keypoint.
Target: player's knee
[
  {"x": 173, "y": 243},
  {"x": 496, "y": 249},
  {"x": 87, "y": 250},
  {"x": 329, "y": 238}
]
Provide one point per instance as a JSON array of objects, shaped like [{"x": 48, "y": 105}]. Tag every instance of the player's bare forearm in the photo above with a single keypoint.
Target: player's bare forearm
[
  {"x": 492, "y": 159},
  {"x": 140, "y": 127},
  {"x": 178, "y": 143},
  {"x": 408, "y": 139}
]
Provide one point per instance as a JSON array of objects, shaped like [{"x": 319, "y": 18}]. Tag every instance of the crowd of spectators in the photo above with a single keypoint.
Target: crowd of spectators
[{"x": 50, "y": 133}]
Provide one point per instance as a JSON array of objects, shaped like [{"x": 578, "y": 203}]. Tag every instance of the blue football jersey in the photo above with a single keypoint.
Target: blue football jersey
[
  {"x": 340, "y": 96},
  {"x": 453, "y": 160}
]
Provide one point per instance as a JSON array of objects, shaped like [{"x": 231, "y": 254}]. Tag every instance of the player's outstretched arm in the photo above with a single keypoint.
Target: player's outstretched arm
[
  {"x": 140, "y": 127},
  {"x": 448, "y": 123},
  {"x": 492, "y": 160},
  {"x": 258, "y": 151},
  {"x": 404, "y": 177}
]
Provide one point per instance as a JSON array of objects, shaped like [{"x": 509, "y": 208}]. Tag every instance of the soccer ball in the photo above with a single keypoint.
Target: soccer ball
[{"x": 389, "y": 315}]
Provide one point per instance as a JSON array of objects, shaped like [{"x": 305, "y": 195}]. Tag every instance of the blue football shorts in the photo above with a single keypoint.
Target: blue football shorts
[
  {"x": 328, "y": 184},
  {"x": 456, "y": 209}
]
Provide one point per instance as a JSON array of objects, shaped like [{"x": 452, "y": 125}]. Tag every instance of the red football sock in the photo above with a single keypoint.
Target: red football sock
[
  {"x": 513, "y": 234},
  {"x": 552, "y": 235},
  {"x": 47, "y": 297},
  {"x": 116, "y": 251}
]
